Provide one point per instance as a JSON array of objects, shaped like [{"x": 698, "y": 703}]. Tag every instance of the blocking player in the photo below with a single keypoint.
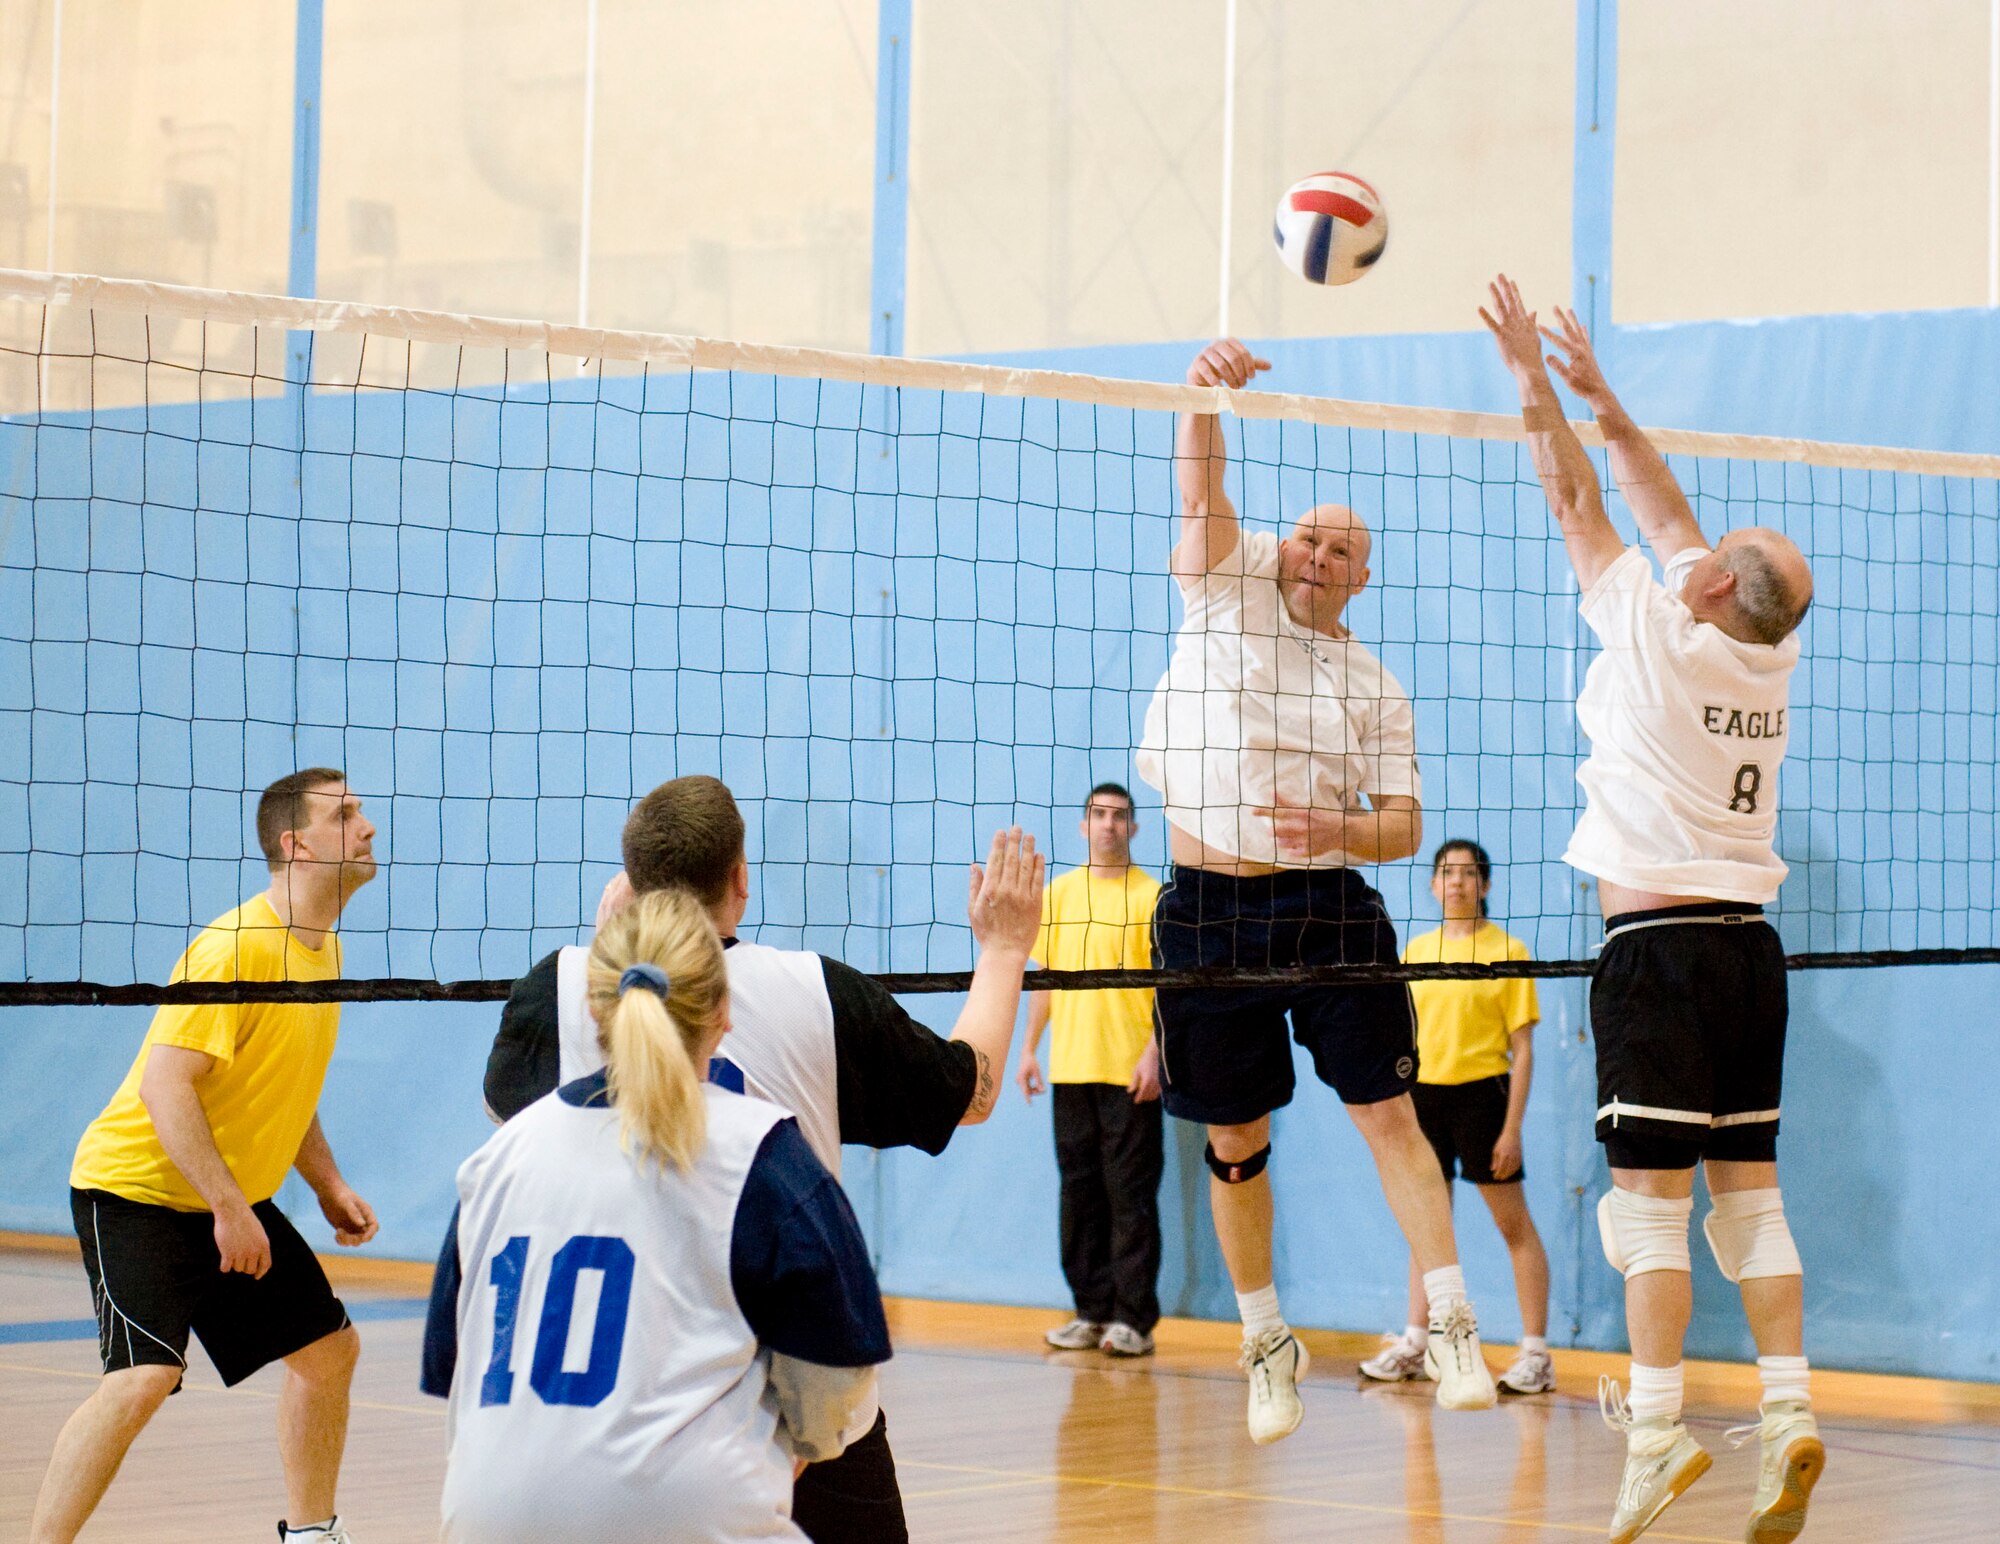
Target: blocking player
[
  {"x": 735, "y": 1322},
  {"x": 812, "y": 1035},
  {"x": 1685, "y": 710},
  {"x": 1285, "y": 756},
  {"x": 172, "y": 1185}
]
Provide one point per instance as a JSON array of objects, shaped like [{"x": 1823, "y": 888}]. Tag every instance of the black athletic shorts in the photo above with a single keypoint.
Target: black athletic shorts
[
  {"x": 1463, "y": 1121},
  {"x": 1688, "y": 1008},
  {"x": 1224, "y": 1057},
  {"x": 853, "y": 1499},
  {"x": 155, "y": 1274}
]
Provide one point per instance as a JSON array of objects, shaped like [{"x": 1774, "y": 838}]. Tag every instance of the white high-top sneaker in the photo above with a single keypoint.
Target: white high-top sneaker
[
  {"x": 1661, "y": 1461},
  {"x": 1793, "y": 1457},
  {"x": 1454, "y": 1358},
  {"x": 1275, "y": 1362}
]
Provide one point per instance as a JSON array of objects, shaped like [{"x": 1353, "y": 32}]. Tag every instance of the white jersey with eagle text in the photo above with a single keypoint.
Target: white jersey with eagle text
[{"x": 1687, "y": 730}]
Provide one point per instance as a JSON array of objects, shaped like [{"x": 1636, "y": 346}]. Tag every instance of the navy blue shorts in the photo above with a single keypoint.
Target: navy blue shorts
[{"x": 1224, "y": 1052}]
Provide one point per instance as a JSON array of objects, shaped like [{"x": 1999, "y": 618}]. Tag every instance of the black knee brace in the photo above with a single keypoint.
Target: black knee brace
[{"x": 1237, "y": 1173}]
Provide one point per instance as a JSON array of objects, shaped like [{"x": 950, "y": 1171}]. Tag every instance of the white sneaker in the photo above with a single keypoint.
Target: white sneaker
[
  {"x": 1123, "y": 1340},
  {"x": 1453, "y": 1357},
  {"x": 1793, "y": 1457},
  {"x": 1400, "y": 1360},
  {"x": 1533, "y": 1372},
  {"x": 328, "y": 1532},
  {"x": 1275, "y": 1361},
  {"x": 1077, "y": 1335},
  {"x": 1661, "y": 1461}
]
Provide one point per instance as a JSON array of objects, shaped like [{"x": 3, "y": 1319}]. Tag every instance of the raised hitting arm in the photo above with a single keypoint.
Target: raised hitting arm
[
  {"x": 1568, "y": 478},
  {"x": 1651, "y": 491},
  {"x": 1209, "y": 531}
]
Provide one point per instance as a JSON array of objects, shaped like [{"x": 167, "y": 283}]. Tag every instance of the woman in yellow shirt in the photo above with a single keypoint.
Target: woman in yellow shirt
[{"x": 1475, "y": 1057}]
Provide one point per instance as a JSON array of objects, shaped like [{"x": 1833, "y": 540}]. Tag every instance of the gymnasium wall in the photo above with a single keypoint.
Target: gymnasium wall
[
  {"x": 1880, "y": 1064},
  {"x": 1083, "y": 234}
]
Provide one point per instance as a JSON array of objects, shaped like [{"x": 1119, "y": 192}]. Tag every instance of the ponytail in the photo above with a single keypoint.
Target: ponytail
[{"x": 660, "y": 993}]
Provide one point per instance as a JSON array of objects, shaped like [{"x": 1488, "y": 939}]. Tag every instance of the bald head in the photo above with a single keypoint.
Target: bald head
[
  {"x": 1773, "y": 582},
  {"x": 1332, "y": 518},
  {"x": 1322, "y": 565}
]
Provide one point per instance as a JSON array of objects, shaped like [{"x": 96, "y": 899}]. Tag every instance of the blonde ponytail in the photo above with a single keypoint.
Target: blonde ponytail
[{"x": 651, "y": 1041}]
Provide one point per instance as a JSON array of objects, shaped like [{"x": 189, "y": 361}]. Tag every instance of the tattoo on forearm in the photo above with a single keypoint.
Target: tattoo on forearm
[{"x": 983, "y": 1088}]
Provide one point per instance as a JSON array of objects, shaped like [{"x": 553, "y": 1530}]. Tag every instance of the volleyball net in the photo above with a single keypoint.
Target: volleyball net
[{"x": 510, "y": 576}]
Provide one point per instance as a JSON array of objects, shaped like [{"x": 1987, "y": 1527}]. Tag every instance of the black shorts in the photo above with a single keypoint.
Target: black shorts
[
  {"x": 155, "y": 1274},
  {"x": 853, "y": 1499},
  {"x": 1689, "y": 1017},
  {"x": 1224, "y": 1059},
  {"x": 1463, "y": 1121}
]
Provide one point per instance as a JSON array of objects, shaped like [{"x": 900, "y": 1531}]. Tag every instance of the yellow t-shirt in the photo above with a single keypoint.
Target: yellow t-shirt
[
  {"x": 1463, "y": 1027},
  {"x": 260, "y": 1095},
  {"x": 1090, "y": 923}
]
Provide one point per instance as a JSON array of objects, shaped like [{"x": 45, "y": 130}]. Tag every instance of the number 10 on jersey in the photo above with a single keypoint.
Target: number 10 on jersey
[{"x": 507, "y": 1273}]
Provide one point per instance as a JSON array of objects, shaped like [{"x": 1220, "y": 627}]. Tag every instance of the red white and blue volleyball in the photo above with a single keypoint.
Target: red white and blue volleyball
[{"x": 1331, "y": 228}]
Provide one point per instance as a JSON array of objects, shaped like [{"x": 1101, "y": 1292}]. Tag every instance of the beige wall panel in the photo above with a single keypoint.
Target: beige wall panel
[
  {"x": 1064, "y": 173},
  {"x": 24, "y": 131},
  {"x": 1066, "y": 163},
  {"x": 174, "y": 153},
  {"x": 1459, "y": 115},
  {"x": 451, "y": 154},
  {"x": 1799, "y": 156},
  {"x": 735, "y": 169}
]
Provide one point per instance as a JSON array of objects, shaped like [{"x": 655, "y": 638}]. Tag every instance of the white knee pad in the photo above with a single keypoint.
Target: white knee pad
[
  {"x": 1645, "y": 1233},
  {"x": 1750, "y": 1237}
]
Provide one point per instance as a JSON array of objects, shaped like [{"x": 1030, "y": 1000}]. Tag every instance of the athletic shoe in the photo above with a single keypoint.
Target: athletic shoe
[
  {"x": 1661, "y": 1461},
  {"x": 1077, "y": 1335},
  {"x": 328, "y": 1532},
  {"x": 1454, "y": 1359},
  {"x": 1275, "y": 1362},
  {"x": 1400, "y": 1360},
  {"x": 1793, "y": 1457},
  {"x": 1123, "y": 1340},
  {"x": 1533, "y": 1372}
]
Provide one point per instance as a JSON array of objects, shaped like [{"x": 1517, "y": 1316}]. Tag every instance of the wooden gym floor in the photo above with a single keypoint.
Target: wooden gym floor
[{"x": 996, "y": 1440}]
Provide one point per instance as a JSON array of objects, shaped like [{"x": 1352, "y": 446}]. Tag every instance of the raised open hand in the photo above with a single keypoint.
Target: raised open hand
[
  {"x": 1513, "y": 327},
  {"x": 1004, "y": 904},
  {"x": 1576, "y": 360}
]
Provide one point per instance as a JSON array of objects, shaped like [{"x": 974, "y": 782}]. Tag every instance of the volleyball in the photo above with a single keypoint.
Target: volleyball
[{"x": 1331, "y": 228}]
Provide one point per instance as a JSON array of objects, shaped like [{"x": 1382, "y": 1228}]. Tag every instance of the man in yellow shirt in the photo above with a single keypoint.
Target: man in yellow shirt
[
  {"x": 1475, "y": 1057},
  {"x": 1105, "y": 1066},
  {"x": 171, "y": 1188}
]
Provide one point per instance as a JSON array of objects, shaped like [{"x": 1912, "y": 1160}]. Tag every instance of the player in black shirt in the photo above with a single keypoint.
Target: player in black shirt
[{"x": 810, "y": 1034}]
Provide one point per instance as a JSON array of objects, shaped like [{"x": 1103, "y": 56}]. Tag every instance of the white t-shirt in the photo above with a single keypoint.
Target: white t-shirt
[
  {"x": 599, "y": 1334},
  {"x": 1255, "y": 710},
  {"x": 780, "y": 1043},
  {"x": 1687, "y": 728}
]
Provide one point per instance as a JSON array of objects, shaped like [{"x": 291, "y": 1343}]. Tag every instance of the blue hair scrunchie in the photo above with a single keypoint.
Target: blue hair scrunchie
[{"x": 650, "y": 977}]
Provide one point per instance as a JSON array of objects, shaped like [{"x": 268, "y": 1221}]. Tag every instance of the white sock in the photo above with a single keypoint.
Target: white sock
[
  {"x": 1445, "y": 1288},
  {"x": 1535, "y": 1343},
  {"x": 1785, "y": 1377},
  {"x": 1418, "y": 1335},
  {"x": 1656, "y": 1391},
  {"x": 1260, "y": 1311}
]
